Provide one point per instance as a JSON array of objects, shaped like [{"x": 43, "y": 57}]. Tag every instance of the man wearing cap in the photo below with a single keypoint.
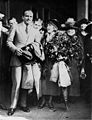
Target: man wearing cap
[{"x": 22, "y": 74}]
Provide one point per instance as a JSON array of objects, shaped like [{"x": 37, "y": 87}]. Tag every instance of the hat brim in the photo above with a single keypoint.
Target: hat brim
[
  {"x": 82, "y": 21},
  {"x": 69, "y": 27},
  {"x": 88, "y": 29},
  {"x": 53, "y": 24}
]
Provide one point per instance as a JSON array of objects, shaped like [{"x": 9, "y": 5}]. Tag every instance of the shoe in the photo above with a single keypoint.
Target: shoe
[
  {"x": 51, "y": 107},
  {"x": 11, "y": 111},
  {"x": 42, "y": 104},
  {"x": 25, "y": 109}
]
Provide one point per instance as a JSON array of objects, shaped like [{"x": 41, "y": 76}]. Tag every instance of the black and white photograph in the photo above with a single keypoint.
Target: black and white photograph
[{"x": 45, "y": 59}]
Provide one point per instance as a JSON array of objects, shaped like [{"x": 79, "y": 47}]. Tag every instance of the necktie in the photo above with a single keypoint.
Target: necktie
[{"x": 26, "y": 29}]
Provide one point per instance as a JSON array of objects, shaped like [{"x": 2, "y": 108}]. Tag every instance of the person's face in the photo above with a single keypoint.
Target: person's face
[
  {"x": 50, "y": 28},
  {"x": 38, "y": 25},
  {"x": 83, "y": 26},
  {"x": 28, "y": 17},
  {"x": 71, "y": 32},
  {"x": 10, "y": 23}
]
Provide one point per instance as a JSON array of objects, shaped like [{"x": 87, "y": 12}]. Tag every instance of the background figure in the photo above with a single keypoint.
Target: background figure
[
  {"x": 20, "y": 36},
  {"x": 2, "y": 28},
  {"x": 12, "y": 22},
  {"x": 88, "y": 62},
  {"x": 38, "y": 23},
  {"x": 82, "y": 24}
]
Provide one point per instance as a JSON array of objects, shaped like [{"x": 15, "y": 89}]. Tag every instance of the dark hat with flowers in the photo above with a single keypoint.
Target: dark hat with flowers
[{"x": 88, "y": 29}]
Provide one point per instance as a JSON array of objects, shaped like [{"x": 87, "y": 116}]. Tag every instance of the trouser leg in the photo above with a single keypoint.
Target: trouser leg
[
  {"x": 43, "y": 102},
  {"x": 27, "y": 84},
  {"x": 23, "y": 97},
  {"x": 37, "y": 75},
  {"x": 16, "y": 80}
]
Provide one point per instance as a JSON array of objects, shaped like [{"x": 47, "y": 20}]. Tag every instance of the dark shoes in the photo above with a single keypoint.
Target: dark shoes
[
  {"x": 42, "y": 104},
  {"x": 25, "y": 109},
  {"x": 11, "y": 111},
  {"x": 51, "y": 106}
]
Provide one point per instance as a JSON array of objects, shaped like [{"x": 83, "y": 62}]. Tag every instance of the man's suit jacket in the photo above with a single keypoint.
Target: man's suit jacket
[{"x": 18, "y": 38}]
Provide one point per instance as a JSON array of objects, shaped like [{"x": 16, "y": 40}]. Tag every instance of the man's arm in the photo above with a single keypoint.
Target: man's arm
[
  {"x": 10, "y": 44},
  {"x": 10, "y": 40}
]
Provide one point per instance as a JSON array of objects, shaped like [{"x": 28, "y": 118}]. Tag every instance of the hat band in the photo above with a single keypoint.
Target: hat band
[{"x": 53, "y": 24}]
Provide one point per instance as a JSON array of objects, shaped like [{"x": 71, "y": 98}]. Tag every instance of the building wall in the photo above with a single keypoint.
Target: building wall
[
  {"x": 90, "y": 10},
  {"x": 84, "y": 9},
  {"x": 46, "y": 9}
]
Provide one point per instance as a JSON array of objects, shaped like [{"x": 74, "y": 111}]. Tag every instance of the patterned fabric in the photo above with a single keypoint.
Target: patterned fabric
[{"x": 65, "y": 46}]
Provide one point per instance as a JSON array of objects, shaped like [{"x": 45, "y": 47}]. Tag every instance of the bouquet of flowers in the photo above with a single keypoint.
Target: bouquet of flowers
[{"x": 65, "y": 46}]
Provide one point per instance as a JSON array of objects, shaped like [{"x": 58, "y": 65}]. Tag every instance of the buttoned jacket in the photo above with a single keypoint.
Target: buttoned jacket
[{"x": 18, "y": 38}]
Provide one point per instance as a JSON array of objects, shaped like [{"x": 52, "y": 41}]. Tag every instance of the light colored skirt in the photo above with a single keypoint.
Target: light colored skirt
[{"x": 60, "y": 72}]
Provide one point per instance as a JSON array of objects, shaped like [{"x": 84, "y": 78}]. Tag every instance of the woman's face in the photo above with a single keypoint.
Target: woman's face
[
  {"x": 50, "y": 28},
  {"x": 38, "y": 25},
  {"x": 71, "y": 32},
  {"x": 83, "y": 26}
]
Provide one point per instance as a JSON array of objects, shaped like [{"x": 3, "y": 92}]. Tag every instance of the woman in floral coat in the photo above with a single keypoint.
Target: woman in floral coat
[{"x": 77, "y": 56}]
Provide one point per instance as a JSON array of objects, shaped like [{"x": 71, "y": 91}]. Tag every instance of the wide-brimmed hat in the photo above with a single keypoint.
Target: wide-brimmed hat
[
  {"x": 82, "y": 21},
  {"x": 67, "y": 27},
  {"x": 88, "y": 29},
  {"x": 55, "y": 23}
]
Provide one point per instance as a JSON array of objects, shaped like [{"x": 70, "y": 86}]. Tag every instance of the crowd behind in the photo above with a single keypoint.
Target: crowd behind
[{"x": 53, "y": 62}]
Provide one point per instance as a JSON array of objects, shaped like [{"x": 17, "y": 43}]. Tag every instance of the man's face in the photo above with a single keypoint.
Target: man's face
[{"x": 28, "y": 17}]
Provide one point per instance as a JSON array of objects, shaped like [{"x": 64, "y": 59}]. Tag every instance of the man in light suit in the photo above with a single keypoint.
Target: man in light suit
[{"x": 21, "y": 35}]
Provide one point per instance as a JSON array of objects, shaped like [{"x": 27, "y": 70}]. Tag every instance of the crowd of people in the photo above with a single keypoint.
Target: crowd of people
[{"x": 49, "y": 56}]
